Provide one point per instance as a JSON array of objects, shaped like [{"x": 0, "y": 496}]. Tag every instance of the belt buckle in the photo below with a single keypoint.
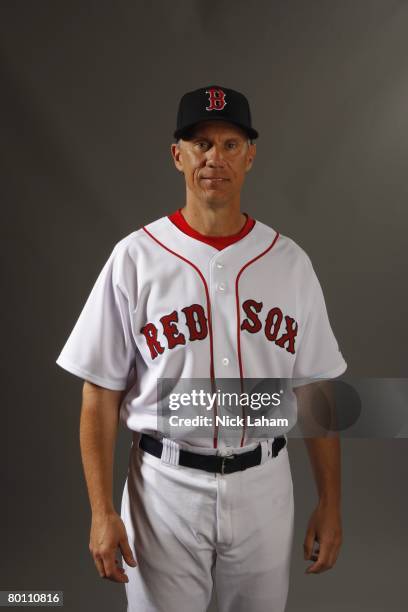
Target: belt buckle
[{"x": 223, "y": 461}]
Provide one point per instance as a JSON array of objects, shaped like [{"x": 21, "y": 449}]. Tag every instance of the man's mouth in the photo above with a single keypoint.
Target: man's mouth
[{"x": 213, "y": 178}]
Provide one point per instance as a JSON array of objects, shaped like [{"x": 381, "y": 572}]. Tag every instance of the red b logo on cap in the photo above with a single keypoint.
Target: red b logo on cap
[{"x": 217, "y": 99}]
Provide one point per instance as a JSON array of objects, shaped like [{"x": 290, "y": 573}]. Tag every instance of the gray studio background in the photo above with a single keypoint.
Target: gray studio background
[{"x": 89, "y": 93}]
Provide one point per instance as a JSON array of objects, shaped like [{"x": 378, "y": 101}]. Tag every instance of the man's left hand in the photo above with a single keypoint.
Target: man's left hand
[{"x": 325, "y": 531}]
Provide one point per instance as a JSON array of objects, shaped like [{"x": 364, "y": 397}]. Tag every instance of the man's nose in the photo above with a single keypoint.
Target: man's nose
[{"x": 215, "y": 156}]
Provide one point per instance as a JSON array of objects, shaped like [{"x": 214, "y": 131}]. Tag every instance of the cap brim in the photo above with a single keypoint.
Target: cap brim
[{"x": 187, "y": 128}]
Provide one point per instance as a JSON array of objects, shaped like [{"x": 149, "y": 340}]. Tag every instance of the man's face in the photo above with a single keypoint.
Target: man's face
[{"x": 214, "y": 160}]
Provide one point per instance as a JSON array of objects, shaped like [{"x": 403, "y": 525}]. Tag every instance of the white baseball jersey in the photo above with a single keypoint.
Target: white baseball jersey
[{"x": 166, "y": 305}]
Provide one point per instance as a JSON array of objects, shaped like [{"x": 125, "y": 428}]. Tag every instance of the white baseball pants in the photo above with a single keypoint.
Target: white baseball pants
[{"x": 185, "y": 525}]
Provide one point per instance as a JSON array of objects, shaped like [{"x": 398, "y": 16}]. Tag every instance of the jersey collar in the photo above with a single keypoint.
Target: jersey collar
[{"x": 218, "y": 242}]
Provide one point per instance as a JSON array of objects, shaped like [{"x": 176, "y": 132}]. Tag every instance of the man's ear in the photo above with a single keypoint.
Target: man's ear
[{"x": 176, "y": 154}]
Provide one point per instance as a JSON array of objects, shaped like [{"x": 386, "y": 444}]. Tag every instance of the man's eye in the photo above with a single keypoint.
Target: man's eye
[
  {"x": 232, "y": 145},
  {"x": 201, "y": 144}
]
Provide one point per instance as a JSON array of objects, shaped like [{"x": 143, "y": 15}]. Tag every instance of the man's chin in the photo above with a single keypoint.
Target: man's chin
[{"x": 213, "y": 197}]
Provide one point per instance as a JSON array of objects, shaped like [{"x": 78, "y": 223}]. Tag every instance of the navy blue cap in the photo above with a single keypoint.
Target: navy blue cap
[{"x": 213, "y": 103}]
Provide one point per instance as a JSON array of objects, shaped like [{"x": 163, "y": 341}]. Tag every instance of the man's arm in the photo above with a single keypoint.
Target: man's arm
[
  {"x": 325, "y": 456},
  {"x": 98, "y": 432}
]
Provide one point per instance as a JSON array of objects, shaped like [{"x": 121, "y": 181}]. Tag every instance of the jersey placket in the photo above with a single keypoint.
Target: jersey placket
[{"x": 223, "y": 305}]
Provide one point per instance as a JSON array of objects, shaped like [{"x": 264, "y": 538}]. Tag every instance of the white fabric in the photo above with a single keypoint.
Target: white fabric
[
  {"x": 143, "y": 281},
  {"x": 186, "y": 525},
  {"x": 171, "y": 452}
]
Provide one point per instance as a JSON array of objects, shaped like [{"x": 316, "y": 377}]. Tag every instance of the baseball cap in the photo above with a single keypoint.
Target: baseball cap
[{"x": 213, "y": 103}]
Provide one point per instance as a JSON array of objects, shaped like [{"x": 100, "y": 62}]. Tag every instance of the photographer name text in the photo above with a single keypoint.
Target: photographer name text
[{"x": 227, "y": 421}]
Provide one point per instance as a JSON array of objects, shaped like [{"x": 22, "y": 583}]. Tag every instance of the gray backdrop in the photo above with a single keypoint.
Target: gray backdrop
[{"x": 89, "y": 96}]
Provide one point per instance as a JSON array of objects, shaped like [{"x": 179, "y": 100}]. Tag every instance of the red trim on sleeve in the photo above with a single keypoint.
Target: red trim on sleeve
[{"x": 218, "y": 242}]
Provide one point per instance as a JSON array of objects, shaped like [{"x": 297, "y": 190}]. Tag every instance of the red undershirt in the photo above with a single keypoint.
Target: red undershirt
[{"x": 218, "y": 242}]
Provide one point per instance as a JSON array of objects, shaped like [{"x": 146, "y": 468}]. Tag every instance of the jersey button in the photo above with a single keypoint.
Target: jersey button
[
  {"x": 221, "y": 287},
  {"x": 219, "y": 265},
  {"x": 225, "y": 361}
]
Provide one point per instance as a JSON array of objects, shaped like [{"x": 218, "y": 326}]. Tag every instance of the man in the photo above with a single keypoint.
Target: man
[{"x": 210, "y": 293}]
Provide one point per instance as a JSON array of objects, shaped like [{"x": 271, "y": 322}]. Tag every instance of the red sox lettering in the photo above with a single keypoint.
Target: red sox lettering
[
  {"x": 273, "y": 323},
  {"x": 195, "y": 326},
  {"x": 196, "y": 323}
]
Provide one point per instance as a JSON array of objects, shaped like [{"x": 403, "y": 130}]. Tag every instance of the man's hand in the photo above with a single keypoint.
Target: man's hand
[
  {"x": 324, "y": 528},
  {"x": 108, "y": 533}
]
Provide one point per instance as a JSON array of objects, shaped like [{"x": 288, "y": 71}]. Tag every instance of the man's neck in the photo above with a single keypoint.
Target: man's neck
[{"x": 214, "y": 222}]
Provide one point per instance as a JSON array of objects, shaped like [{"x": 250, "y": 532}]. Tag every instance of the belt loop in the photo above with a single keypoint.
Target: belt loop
[
  {"x": 171, "y": 452},
  {"x": 265, "y": 451}
]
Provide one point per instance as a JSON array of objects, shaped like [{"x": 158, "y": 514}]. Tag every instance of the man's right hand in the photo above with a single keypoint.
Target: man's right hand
[{"x": 108, "y": 533}]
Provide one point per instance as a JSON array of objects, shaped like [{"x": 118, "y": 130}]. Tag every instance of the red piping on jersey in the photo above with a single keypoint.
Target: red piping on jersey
[
  {"x": 212, "y": 375},
  {"x": 241, "y": 370}
]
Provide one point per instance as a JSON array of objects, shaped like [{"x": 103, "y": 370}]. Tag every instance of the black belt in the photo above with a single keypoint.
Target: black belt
[{"x": 224, "y": 464}]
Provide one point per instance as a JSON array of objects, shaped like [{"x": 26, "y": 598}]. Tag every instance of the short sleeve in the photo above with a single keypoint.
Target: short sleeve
[
  {"x": 101, "y": 347},
  {"x": 318, "y": 354}
]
